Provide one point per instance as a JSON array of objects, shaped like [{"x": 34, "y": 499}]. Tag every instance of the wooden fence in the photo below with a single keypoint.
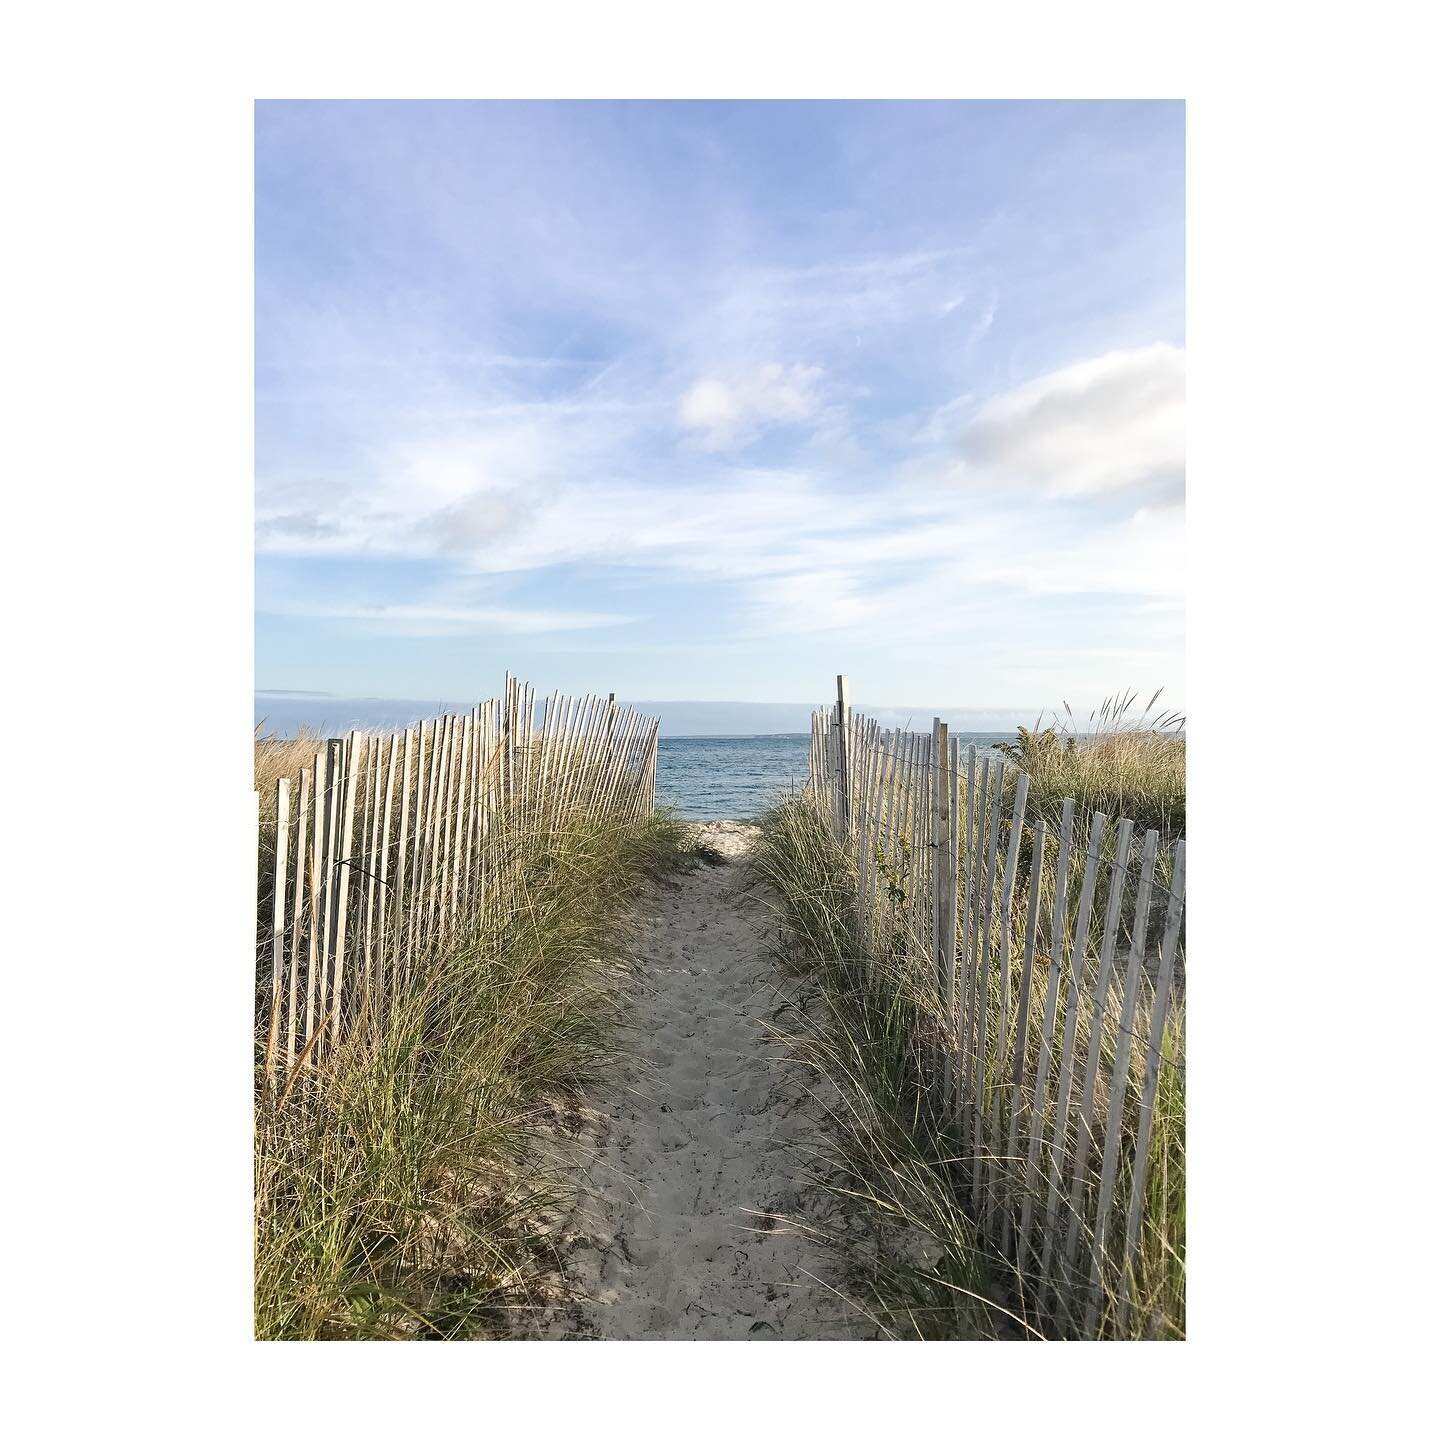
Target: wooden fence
[
  {"x": 390, "y": 841},
  {"x": 1047, "y": 956}
]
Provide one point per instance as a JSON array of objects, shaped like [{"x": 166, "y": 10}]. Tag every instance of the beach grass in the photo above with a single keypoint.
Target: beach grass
[
  {"x": 414, "y": 1195},
  {"x": 926, "y": 1270},
  {"x": 918, "y": 1270},
  {"x": 1123, "y": 762}
]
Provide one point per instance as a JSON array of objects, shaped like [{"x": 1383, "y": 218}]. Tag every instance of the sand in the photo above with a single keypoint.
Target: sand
[{"x": 687, "y": 1229}]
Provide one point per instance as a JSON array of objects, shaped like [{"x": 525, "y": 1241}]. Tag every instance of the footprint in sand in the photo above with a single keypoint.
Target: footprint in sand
[{"x": 699, "y": 1158}]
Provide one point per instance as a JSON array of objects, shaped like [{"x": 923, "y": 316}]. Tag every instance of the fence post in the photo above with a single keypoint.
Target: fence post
[
  {"x": 842, "y": 748},
  {"x": 943, "y": 839},
  {"x": 277, "y": 929},
  {"x": 255, "y": 889},
  {"x": 354, "y": 753}
]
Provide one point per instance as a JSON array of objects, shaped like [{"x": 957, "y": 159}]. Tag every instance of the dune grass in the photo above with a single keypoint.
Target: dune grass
[
  {"x": 919, "y": 1271},
  {"x": 280, "y": 757},
  {"x": 924, "y": 1270},
  {"x": 930, "y": 1271},
  {"x": 1124, "y": 763},
  {"x": 413, "y": 1195},
  {"x": 277, "y": 758},
  {"x": 1129, "y": 762}
]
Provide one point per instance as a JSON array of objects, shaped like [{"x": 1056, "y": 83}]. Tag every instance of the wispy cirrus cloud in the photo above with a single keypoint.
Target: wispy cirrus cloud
[
  {"x": 514, "y": 388},
  {"x": 443, "y": 619},
  {"x": 518, "y": 493}
]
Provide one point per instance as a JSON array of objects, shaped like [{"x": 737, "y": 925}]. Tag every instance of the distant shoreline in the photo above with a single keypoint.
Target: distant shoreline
[{"x": 285, "y": 713}]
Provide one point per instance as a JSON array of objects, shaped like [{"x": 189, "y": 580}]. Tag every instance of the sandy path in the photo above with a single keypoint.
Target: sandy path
[{"x": 683, "y": 1236}]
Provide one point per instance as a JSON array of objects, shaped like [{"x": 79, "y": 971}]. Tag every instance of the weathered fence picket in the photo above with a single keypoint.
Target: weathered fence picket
[
  {"x": 426, "y": 847},
  {"x": 1037, "y": 1072}
]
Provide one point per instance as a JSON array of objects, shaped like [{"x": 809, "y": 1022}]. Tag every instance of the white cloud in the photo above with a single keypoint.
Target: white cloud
[
  {"x": 493, "y": 490},
  {"x": 447, "y": 619},
  {"x": 731, "y": 413},
  {"x": 506, "y": 620},
  {"x": 807, "y": 548},
  {"x": 709, "y": 405},
  {"x": 573, "y": 436},
  {"x": 934, "y": 569},
  {"x": 1106, "y": 424}
]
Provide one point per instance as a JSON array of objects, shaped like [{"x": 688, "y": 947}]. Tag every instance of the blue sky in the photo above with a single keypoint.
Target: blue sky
[{"x": 710, "y": 401}]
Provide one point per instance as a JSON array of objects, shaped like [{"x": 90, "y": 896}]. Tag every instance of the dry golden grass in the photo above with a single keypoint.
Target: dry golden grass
[
  {"x": 405, "y": 1188},
  {"x": 282, "y": 759},
  {"x": 924, "y": 1269},
  {"x": 900, "y": 1156},
  {"x": 1122, "y": 764},
  {"x": 411, "y": 1197}
]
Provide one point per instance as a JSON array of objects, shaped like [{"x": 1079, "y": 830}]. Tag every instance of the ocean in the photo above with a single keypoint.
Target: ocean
[{"x": 733, "y": 777}]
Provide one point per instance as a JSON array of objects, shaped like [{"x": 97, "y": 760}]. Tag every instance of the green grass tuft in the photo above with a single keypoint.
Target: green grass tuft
[
  {"x": 414, "y": 1197},
  {"x": 1122, "y": 765},
  {"x": 918, "y": 1271}
]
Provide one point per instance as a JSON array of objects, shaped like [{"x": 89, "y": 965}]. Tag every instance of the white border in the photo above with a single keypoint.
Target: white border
[{"x": 130, "y": 597}]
